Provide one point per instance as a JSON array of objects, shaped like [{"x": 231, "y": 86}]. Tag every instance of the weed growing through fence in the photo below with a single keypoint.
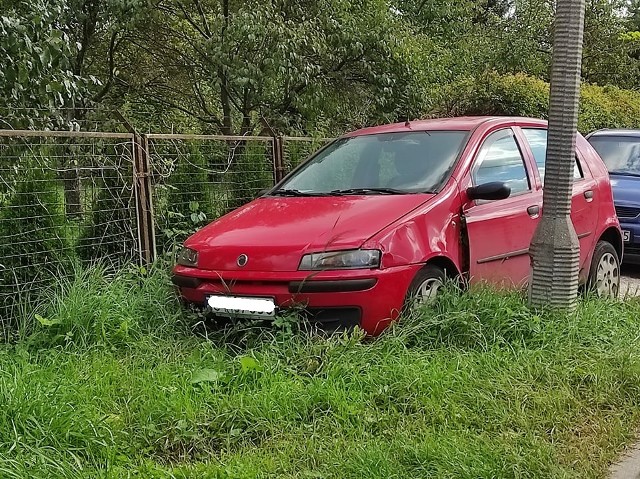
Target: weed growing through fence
[
  {"x": 187, "y": 199},
  {"x": 112, "y": 384}
]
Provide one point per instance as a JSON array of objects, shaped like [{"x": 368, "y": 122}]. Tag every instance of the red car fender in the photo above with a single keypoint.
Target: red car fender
[{"x": 432, "y": 231}]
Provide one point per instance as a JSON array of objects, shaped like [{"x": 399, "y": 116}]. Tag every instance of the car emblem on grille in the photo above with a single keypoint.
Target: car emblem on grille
[{"x": 242, "y": 260}]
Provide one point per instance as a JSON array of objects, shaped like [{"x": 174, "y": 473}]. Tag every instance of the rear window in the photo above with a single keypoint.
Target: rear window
[{"x": 621, "y": 154}]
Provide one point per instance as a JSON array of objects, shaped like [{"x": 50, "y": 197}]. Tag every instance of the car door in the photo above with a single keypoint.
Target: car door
[
  {"x": 499, "y": 232},
  {"x": 584, "y": 219}
]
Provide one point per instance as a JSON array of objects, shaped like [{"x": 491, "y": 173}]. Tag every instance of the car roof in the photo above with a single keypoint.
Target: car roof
[
  {"x": 615, "y": 132},
  {"x": 462, "y": 123}
]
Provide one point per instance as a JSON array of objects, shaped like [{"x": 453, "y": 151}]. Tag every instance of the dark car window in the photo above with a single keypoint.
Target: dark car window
[
  {"x": 537, "y": 139},
  {"x": 410, "y": 162},
  {"x": 500, "y": 160},
  {"x": 621, "y": 154}
]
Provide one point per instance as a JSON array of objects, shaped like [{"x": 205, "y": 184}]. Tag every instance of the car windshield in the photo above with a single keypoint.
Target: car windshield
[
  {"x": 387, "y": 163},
  {"x": 621, "y": 154}
]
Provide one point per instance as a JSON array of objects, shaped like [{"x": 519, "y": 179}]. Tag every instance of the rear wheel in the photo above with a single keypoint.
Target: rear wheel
[
  {"x": 604, "y": 274},
  {"x": 424, "y": 287}
]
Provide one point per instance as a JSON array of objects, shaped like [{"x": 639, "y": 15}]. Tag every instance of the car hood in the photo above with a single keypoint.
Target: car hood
[
  {"x": 274, "y": 232},
  {"x": 626, "y": 190}
]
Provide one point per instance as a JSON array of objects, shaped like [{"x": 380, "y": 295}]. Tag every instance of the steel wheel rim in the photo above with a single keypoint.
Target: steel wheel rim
[
  {"x": 427, "y": 291},
  {"x": 607, "y": 276}
]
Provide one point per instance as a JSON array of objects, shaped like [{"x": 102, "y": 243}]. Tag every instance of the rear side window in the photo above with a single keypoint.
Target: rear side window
[
  {"x": 537, "y": 139},
  {"x": 621, "y": 154},
  {"x": 500, "y": 160}
]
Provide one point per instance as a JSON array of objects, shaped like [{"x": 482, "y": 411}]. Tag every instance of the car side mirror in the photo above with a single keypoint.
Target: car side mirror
[
  {"x": 262, "y": 192},
  {"x": 489, "y": 191}
]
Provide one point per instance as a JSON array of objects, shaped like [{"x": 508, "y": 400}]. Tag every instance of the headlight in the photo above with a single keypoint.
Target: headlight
[
  {"x": 188, "y": 257},
  {"x": 352, "y": 259}
]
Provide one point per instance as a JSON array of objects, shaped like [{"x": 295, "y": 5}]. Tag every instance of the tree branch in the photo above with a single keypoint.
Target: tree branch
[
  {"x": 88, "y": 30},
  {"x": 204, "y": 33},
  {"x": 113, "y": 45},
  {"x": 205, "y": 108},
  {"x": 204, "y": 18},
  {"x": 189, "y": 112}
]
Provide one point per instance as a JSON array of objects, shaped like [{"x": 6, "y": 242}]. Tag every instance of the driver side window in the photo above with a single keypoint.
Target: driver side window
[{"x": 500, "y": 159}]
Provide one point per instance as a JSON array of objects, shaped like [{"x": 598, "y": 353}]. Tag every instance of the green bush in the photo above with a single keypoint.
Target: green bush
[
  {"x": 251, "y": 172},
  {"x": 608, "y": 107},
  {"x": 110, "y": 231},
  {"x": 522, "y": 95},
  {"x": 33, "y": 239},
  {"x": 494, "y": 94}
]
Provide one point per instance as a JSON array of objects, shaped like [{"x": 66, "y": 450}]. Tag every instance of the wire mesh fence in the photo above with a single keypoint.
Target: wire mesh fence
[
  {"x": 65, "y": 198},
  {"x": 199, "y": 178},
  {"x": 68, "y": 198}
]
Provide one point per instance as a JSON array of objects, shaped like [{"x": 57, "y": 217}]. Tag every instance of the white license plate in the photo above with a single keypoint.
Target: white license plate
[
  {"x": 242, "y": 307},
  {"x": 626, "y": 236}
]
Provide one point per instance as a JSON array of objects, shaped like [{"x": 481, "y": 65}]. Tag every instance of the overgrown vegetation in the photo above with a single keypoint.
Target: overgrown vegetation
[
  {"x": 103, "y": 376},
  {"x": 523, "y": 95},
  {"x": 111, "y": 382},
  {"x": 109, "y": 230},
  {"x": 277, "y": 67}
]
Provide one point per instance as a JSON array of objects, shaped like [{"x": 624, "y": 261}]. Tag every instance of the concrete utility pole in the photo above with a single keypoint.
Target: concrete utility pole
[{"x": 555, "y": 250}]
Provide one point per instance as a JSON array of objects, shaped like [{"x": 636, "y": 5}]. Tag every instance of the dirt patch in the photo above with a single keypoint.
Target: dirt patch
[{"x": 630, "y": 281}]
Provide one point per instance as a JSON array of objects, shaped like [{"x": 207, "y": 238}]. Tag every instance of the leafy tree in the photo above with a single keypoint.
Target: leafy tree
[
  {"x": 608, "y": 56},
  {"x": 245, "y": 66},
  {"x": 58, "y": 57},
  {"x": 58, "y": 61},
  {"x": 36, "y": 74}
]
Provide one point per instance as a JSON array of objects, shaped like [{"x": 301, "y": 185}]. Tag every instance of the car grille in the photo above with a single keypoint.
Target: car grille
[
  {"x": 627, "y": 212},
  {"x": 631, "y": 249}
]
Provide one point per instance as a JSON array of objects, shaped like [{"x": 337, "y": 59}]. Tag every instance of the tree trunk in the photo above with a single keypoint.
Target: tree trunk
[
  {"x": 555, "y": 250},
  {"x": 71, "y": 174},
  {"x": 71, "y": 181}
]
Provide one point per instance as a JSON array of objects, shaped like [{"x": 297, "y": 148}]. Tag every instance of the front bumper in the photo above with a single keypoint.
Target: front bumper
[
  {"x": 368, "y": 298},
  {"x": 631, "y": 252}
]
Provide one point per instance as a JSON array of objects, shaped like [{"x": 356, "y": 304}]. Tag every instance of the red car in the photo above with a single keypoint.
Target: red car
[{"x": 377, "y": 219}]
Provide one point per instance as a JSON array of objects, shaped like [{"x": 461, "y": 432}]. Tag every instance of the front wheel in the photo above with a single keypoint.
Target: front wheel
[
  {"x": 424, "y": 287},
  {"x": 604, "y": 274}
]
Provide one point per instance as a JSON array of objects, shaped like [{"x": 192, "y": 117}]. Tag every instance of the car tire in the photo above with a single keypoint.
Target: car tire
[
  {"x": 424, "y": 287},
  {"x": 604, "y": 272}
]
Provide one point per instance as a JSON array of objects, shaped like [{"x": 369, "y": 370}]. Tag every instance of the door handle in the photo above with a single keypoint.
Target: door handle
[
  {"x": 533, "y": 210},
  {"x": 588, "y": 195}
]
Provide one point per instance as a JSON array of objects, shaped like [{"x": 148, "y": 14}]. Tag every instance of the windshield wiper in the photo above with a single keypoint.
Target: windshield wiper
[
  {"x": 370, "y": 191},
  {"x": 295, "y": 193}
]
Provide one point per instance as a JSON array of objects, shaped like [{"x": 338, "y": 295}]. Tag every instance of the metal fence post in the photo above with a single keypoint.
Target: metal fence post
[
  {"x": 278, "y": 158},
  {"x": 144, "y": 199}
]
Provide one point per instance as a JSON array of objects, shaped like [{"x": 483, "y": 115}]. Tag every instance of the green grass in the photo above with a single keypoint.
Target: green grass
[{"x": 113, "y": 383}]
